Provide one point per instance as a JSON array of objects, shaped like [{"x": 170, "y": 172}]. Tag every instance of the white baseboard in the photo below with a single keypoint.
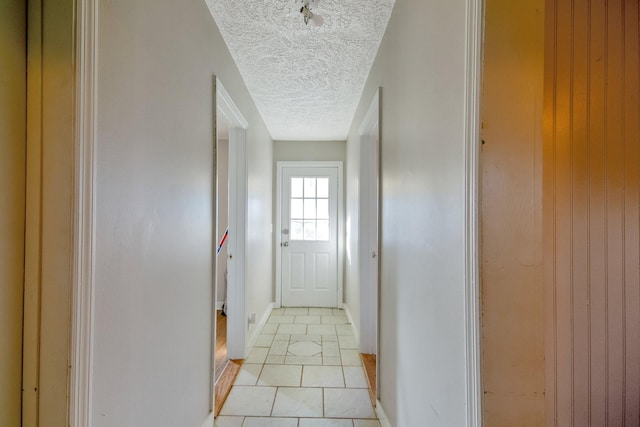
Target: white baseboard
[
  {"x": 258, "y": 328},
  {"x": 347, "y": 311},
  {"x": 382, "y": 417},
  {"x": 208, "y": 422}
]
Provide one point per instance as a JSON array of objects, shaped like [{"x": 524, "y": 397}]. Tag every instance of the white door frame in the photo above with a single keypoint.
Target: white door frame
[
  {"x": 368, "y": 242},
  {"x": 236, "y": 252},
  {"x": 326, "y": 164}
]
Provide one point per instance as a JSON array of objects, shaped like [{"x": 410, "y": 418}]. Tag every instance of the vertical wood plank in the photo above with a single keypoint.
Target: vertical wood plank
[{"x": 592, "y": 212}]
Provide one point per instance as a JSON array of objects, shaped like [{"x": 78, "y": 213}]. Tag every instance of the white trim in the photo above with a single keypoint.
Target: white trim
[
  {"x": 382, "y": 416},
  {"x": 369, "y": 179},
  {"x": 82, "y": 316},
  {"x": 219, "y": 305},
  {"x": 472, "y": 248},
  {"x": 304, "y": 164},
  {"x": 356, "y": 334},
  {"x": 258, "y": 329},
  {"x": 231, "y": 111}
]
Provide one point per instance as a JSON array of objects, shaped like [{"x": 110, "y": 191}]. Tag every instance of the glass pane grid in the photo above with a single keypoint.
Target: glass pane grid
[{"x": 309, "y": 208}]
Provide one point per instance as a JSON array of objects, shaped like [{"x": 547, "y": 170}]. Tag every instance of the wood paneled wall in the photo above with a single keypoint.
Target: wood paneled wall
[{"x": 591, "y": 213}]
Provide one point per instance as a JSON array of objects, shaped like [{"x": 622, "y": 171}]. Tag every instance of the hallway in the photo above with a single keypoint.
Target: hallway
[{"x": 304, "y": 371}]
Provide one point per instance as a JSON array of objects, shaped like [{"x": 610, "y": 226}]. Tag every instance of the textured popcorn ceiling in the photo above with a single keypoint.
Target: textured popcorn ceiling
[{"x": 306, "y": 81}]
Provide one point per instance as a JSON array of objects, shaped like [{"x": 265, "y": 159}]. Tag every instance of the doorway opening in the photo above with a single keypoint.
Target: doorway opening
[
  {"x": 369, "y": 241},
  {"x": 309, "y": 226},
  {"x": 228, "y": 299}
]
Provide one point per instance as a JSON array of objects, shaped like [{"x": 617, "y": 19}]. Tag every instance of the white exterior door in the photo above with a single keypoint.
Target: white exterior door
[{"x": 309, "y": 236}]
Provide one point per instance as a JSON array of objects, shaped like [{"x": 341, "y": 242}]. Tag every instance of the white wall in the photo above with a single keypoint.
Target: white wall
[
  {"x": 155, "y": 189},
  {"x": 13, "y": 96},
  {"x": 304, "y": 151},
  {"x": 421, "y": 69}
]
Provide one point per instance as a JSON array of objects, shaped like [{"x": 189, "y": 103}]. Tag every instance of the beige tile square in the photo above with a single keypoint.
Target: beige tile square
[
  {"x": 282, "y": 337},
  {"x": 304, "y": 348},
  {"x": 303, "y": 360},
  {"x": 298, "y": 402},
  {"x": 295, "y": 311},
  {"x": 306, "y": 337},
  {"x": 322, "y": 376},
  {"x": 334, "y": 320},
  {"x": 308, "y": 320},
  {"x": 224, "y": 421},
  {"x": 321, "y": 330},
  {"x": 264, "y": 340},
  {"x": 281, "y": 319},
  {"x": 277, "y": 311},
  {"x": 280, "y": 375},
  {"x": 269, "y": 328},
  {"x": 324, "y": 422},
  {"x": 257, "y": 355},
  {"x": 320, "y": 312},
  {"x": 338, "y": 312},
  {"x": 330, "y": 349},
  {"x": 350, "y": 358},
  {"x": 354, "y": 377},
  {"x": 248, "y": 374},
  {"x": 347, "y": 403},
  {"x": 274, "y": 360},
  {"x": 344, "y": 329},
  {"x": 279, "y": 348},
  {"x": 329, "y": 338},
  {"x": 292, "y": 329},
  {"x": 331, "y": 361},
  {"x": 366, "y": 423},
  {"x": 270, "y": 422},
  {"x": 246, "y": 400},
  {"x": 347, "y": 342}
]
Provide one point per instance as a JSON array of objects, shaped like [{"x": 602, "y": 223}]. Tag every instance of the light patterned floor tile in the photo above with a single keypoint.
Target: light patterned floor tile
[
  {"x": 330, "y": 349},
  {"x": 331, "y": 361},
  {"x": 298, "y": 402},
  {"x": 248, "y": 374},
  {"x": 303, "y": 360},
  {"x": 277, "y": 311},
  {"x": 354, "y": 377},
  {"x": 350, "y": 358},
  {"x": 245, "y": 400},
  {"x": 325, "y": 422},
  {"x": 305, "y": 337},
  {"x": 274, "y": 360},
  {"x": 270, "y": 422},
  {"x": 330, "y": 338},
  {"x": 347, "y": 342},
  {"x": 296, "y": 311},
  {"x": 269, "y": 328},
  {"x": 334, "y": 320},
  {"x": 322, "y": 376},
  {"x": 344, "y": 329},
  {"x": 347, "y": 403},
  {"x": 304, "y": 348},
  {"x": 292, "y": 329},
  {"x": 282, "y": 337},
  {"x": 264, "y": 340},
  {"x": 226, "y": 421},
  {"x": 280, "y": 375},
  {"x": 321, "y": 330},
  {"x": 279, "y": 348},
  {"x": 257, "y": 355},
  {"x": 308, "y": 320},
  {"x": 282, "y": 319},
  {"x": 320, "y": 312},
  {"x": 366, "y": 423}
]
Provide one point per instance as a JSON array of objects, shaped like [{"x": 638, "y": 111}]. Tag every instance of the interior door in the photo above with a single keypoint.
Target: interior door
[{"x": 309, "y": 240}]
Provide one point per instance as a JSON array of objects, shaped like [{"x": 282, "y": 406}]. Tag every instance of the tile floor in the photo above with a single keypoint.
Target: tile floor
[{"x": 304, "y": 371}]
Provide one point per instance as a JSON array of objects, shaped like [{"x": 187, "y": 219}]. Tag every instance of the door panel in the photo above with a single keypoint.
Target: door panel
[{"x": 309, "y": 236}]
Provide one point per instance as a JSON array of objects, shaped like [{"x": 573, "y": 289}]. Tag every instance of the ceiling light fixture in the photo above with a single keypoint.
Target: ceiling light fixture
[{"x": 305, "y": 7}]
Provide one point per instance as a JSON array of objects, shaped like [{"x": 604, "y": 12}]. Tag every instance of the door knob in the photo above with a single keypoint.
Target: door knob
[{"x": 285, "y": 244}]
